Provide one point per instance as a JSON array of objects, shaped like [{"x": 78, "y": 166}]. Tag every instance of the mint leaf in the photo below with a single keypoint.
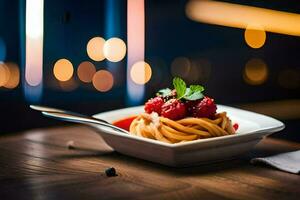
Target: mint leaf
[
  {"x": 197, "y": 88},
  {"x": 188, "y": 92},
  {"x": 194, "y": 96},
  {"x": 194, "y": 92},
  {"x": 165, "y": 92},
  {"x": 180, "y": 87}
]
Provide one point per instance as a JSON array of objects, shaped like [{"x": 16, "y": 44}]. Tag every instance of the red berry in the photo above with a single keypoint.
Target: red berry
[
  {"x": 154, "y": 105},
  {"x": 204, "y": 108},
  {"x": 235, "y": 126},
  {"x": 173, "y": 109},
  {"x": 172, "y": 95},
  {"x": 190, "y": 106}
]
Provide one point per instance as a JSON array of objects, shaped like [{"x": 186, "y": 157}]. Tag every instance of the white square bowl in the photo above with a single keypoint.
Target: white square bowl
[{"x": 252, "y": 128}]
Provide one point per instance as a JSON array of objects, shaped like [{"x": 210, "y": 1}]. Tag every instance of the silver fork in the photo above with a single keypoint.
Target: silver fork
[{"x": 70, "y": 116}]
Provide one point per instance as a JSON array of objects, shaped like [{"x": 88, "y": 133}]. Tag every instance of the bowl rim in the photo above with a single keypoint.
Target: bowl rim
[{"x": 277, "y": 126}]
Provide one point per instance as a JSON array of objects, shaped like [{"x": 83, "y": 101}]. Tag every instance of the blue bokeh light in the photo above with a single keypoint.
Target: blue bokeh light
[{"x": 2, "y": 50}]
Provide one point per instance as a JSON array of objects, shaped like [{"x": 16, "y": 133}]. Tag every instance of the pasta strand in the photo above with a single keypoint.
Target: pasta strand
[{"x": 187, "y": 129}]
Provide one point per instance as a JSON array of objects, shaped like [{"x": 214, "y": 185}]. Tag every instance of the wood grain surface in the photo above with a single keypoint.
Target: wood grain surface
[{"x": 38, "y": 165}]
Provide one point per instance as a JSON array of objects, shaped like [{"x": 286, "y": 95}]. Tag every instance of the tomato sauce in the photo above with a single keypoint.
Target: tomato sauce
[{"x": 124, "y": 123}]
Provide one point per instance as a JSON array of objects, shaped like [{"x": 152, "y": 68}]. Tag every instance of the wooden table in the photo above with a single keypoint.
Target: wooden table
[{"x": 38, "y": 165}]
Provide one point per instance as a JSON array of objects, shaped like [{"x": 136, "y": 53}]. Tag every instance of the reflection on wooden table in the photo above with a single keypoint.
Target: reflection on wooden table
[{"x": 38, "y": 165}]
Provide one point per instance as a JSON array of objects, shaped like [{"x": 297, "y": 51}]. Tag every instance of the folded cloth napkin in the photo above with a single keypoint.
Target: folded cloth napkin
[{"x": 289, "y": 162}]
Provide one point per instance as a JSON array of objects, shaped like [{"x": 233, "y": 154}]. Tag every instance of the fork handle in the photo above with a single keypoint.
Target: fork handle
[{"x": 81, "y": 119}]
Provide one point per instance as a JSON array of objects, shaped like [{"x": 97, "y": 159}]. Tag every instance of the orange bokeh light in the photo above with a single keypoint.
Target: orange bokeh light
[
  {"x": 255, "y": 36},
  {"x": 94, "y": 48},
  {"x": 114, "y": 49},
  {"x": 256, "y": 72},
  {"x": 141, "y": 72},
  {"x": 103, "y": 80},
  {"x": 4, "y": 74},
  {"x": 63, "y": 70},
  {"x": 14, "y": 77},
  {"x": 86, "y": 71}
]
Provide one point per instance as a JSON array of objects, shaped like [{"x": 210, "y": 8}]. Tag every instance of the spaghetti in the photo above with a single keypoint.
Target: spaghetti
[{"x": 187, "y": 129}]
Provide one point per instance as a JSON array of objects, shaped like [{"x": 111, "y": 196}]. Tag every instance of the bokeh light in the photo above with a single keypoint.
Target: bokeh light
[
  {"x": 181, "y": 67},
  {"x": 114, "y": 49},
  {"x": 4, "y": 74},
  {"x": 194, "y": 70},
  {"x": 2, "y": 50},
  {"x": 94, "y": 48},
  {"x": 240, "y": 16},
  {"x": 103, "y": 80},
  {"x": 63, "y": 69},
  {"x": 34, "y": 29},
  {"x": 136, "y": 48},
  {"x": 200, "y": 70},
  {"x": 256, "y": 71},
  {"x": 289, "y": 78},
  {"x": 14, "y": 77},
  {"x": 34, "y": 18},
  {"x": 141, "y": 72},
  {"x": 86, "y": 71},
  {"x": 255, "y": 36}
]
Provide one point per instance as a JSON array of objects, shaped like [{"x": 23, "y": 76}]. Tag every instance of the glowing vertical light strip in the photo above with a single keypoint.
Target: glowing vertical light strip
[
  {"x": 136, "y": 47},
  {"x": 34, "y": 48},
  {"x": 113, "y": 19}
]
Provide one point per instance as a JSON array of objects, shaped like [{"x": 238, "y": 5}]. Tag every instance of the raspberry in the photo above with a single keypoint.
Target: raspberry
[
  {"x": 190, "y": 106},
  {"x": 203, "y": 108},
  {"x": 154, "y": 105},
  {"x": 172, "y": 95},
  {"x": 173, "y": 109},
  {"x": 235, "y": 126}
]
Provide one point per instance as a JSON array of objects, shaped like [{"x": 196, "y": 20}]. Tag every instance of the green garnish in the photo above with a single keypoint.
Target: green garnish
[
  {"x": 179, "y": 86},
  {"x": 164, "y": 92},
  {"x": 192, "y": 93}
]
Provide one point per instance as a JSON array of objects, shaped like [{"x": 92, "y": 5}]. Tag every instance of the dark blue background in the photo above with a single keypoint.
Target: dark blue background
[{"x": 69, "y": 24}]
